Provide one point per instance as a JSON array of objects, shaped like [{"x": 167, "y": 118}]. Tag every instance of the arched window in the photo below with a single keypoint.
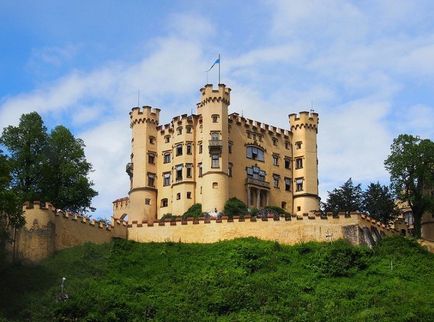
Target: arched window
[{"x": 255, "y": 153}]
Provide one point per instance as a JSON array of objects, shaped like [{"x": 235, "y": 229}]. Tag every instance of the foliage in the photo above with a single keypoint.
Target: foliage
[
  {"x": 411, "y": 168},
  {"x": 379, "y": 202},
  {"x": 235, "y": 207},
  {"x": 346, "y": 198},
  {"x": 239, "y": 280},
  {"x": 194, "y": 211},
  {"x": 48, "y": 167}
]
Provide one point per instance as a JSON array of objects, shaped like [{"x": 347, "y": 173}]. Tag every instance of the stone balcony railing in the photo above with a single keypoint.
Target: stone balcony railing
[{"x": 257, "y": 182}]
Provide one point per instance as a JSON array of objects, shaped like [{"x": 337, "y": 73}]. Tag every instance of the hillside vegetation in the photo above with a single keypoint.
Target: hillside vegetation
[{"x": 240, "y": 280}]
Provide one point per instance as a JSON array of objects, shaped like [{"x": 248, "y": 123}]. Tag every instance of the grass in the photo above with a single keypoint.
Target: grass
[{"x": 240, "y": 280}]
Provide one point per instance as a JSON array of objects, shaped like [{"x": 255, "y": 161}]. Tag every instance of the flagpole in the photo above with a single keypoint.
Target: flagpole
[{"x": 219, "y": 67}]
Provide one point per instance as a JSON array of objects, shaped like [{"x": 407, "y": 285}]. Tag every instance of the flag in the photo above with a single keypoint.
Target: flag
[{"x": 217, "y": 61}]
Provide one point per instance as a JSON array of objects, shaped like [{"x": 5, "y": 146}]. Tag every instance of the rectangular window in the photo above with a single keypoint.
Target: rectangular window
[
  {"x": 275, "y": 141},
  {"x": 283, "y": 205},
  {"x": 189, "y": 167},
  {"x": 167, "y": 139},
  {"x": 287, "y": 145},
  {"x": 287, "y": 184},
  {"x": 215, "y": 158},
  {"x": 152, "y": 140},
  {"x": 151, "y": 179},
  {"x": 164, "y": 202},
  {"x": 166, "y": 157},
  {"x": 215, "y": 136},
  {"x": 188, "y": 129},
  {"x": 147, "y": 201},
  {"x": 255, "y": 153},
  {"x": 287, "y": 163},
  {"x": 200, "y": 169},
  {"x": 179, "y": 172},
  {"x": 298, "y": 145},
  {"x": 151, "y": 158},
  {"x": 299, "y": 184},
  {"x": 178, "y": 196},
  {"x": 166, "y": 179},
  {"x": 200, "y": 148},
  {"x": 230, "y": 147},
  {"x": 189, "y": 195},
  {"x": 276, "y": 179},
  {"x": 230, "y": 170},
  {"x": 179, "y": 130},
  {"x": 189, "y": 148},
  {"x": 275, "y": 159},
  {"x": 299, "y": 163},
  {"x": 179, "y": 149}
]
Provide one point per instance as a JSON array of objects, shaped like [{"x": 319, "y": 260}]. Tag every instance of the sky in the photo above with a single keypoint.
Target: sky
[{"x": 367, "y": 68}]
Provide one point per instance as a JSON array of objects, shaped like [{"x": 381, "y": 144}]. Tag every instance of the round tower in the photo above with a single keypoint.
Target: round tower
[
  {"x": 304, "y": 128},
  {"x": 142, "y": 168},
  {"x": 213, "y": 107}
]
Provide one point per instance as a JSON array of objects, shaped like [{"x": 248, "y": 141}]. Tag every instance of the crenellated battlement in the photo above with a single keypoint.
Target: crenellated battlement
[
  {"x": 209, "y": 94},
  {"x": 146, "y": 114},
  {"x": 258, "y": 126},
  {"x": 304, "y": 119}
]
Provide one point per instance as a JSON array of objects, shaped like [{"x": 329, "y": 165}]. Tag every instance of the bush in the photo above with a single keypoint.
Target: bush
[
  {"x": 253, "y": 211},
  {"x": 234, "y": 207},
  {"x": 194, "y": 211}
]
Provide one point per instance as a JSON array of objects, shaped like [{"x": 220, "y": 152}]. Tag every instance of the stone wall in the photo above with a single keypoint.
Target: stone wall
[
  {"x": 356, "y": 228},
  {"x": 47, "y": 231}
]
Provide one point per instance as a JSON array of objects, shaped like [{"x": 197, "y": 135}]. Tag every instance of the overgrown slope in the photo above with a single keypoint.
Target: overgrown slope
[{"x": 240, "y": 280}]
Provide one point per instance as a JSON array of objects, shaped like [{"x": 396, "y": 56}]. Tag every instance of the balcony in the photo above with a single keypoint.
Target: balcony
[
  {"x": 215, "y": 145},
  {"x": 258, "y": 183},
  {"x": 129, "y": 168}
]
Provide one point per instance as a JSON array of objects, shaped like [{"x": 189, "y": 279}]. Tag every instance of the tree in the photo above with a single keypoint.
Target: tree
[
  {"x": 26, "y": 143},
  {"x": 235, "y": 206},
  {"x": 65, "y": 182},
  {"x": 411, "y": 168},
  {"x": 379, "y": 202},
  {"x": 11, "y": 214},
  {"x": 48, "y": 167},
  {"x": 346, "y": 198}
]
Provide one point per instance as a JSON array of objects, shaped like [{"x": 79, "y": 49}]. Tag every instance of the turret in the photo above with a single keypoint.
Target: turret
[
  {"x": 304, "y": 129},
  {"x": 142, "y": 168},
  {"x": 213, "y": 107}
]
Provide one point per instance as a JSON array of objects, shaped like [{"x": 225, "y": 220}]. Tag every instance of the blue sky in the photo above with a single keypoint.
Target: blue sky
[{"x": 366, "y": 67}]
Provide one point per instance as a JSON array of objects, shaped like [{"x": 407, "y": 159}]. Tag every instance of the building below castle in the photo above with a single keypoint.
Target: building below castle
[{"x": 211, "y": 156}]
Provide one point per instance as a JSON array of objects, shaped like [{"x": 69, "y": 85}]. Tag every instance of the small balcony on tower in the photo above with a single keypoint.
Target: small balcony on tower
[
  {"x": 215, "y": 145},
  {"x": 129, "y": 168}
]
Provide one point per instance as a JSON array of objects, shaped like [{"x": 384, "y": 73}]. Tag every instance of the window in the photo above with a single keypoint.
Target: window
[
  {"x": 248, "y": 135},
  {"x": 200, "y": 169},
  {"x": 164, "y": 202},
  {"x": 188, "y": 148},
  {"x": 230, "y": 147},
  {"x": 189, "y": 167},
  {"x": 276, "y": 179},
  {"x": 166, "y": 157},
  {"x": 230, "y": 169},
  {"x": 299, "y": 184},
  {"x": 215, "y": 118},
  {"x": 166, "y": 179},
  {"x": 276, "y": 159},
  {"x": 287, "y": 184},
  {"x": 255, "y": 153},
  {"x": 299, "y": 163},
  {"x": 283, "y": 205},
  {"x": 256, "y": 173},
  {"x": 200, "y": 147},
  {"x": 298, "y": 145},
  {"x": 201, "y": 128},
  {"x": 147, "y": 201},
  {"x": 179, "y": 130},
  {"x": 179, "y": 149},
  {"x": 188, "y": 129},
  {"x": 179, "y": 172},
  {"x": 167, "y": 139},
  {"x": 215, "y": 185},
  {"x": 275, "y": 141},
  {"x": 188, "y": 195},
  {"x": 215, "y": 136},
  {"x": 215, "y": 158},
  {"x": 152, "y": 139},
  {"x": 151, "y": 158},
  {"x": 178, "y": 196},
  {"x": 151, "y": 179},
  {"x": 298, "y": 208},
  {"x": 287, "y": 145},
  {"x": 287, "y": 163}
]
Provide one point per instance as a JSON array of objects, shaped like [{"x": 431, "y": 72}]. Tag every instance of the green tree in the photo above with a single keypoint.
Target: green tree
[
  {"x": 347, "y": 198},
  {"x": 65, "y": 177},
  {"x": 26, "y": 143},
  {"x": 379, "y": 202},
  {"x": 234, "y": 207},
  {"x": 11, "y": 214},
  {"x": 411, "y": 168}
]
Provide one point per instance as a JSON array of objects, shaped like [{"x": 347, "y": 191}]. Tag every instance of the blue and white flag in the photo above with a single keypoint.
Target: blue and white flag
[{"x": 217, "y": 61}]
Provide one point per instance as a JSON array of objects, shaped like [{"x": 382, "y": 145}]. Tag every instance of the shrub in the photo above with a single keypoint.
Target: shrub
[
  {"x": 253, "y": 211},
  {"x": 194, "y": 211},
  {"x": 235, "y": 206}
]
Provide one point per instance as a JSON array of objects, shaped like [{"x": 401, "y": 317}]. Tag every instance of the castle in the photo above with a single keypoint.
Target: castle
[{"x": 211, "y": 156}]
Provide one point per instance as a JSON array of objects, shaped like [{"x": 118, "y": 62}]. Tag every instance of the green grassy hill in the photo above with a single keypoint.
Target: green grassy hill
[{"x": 240, "y": 280}]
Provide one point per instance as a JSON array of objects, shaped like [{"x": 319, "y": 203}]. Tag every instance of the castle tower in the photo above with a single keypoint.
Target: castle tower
[
  {"x": 213, "y": 107},
  {"x": 142, "y": 168},
  {"x": 304, "y": 129}
]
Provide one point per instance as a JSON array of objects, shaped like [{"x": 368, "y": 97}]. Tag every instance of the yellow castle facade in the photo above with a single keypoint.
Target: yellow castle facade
[{"x": 213, "y": 155}]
